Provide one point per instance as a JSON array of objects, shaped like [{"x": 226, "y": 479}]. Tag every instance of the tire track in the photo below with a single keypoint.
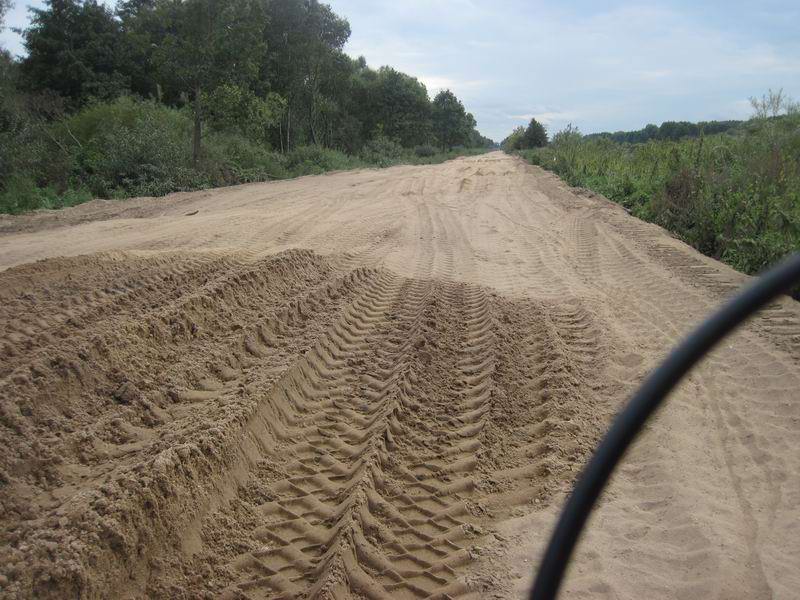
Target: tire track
[
  {"x": 189, "y": 414},
  {"x": 378, "y": 453}
]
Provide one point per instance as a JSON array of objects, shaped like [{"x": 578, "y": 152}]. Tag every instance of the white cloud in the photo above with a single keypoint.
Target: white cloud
[{"x": 436, "y": 84}]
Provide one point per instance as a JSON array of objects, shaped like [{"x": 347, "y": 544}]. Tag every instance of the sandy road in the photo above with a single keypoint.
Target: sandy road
[{"x": 379, "y": 384}]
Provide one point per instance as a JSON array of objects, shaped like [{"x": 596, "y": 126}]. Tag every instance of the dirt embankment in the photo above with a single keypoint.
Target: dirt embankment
[{"x": 378, "y": 384}]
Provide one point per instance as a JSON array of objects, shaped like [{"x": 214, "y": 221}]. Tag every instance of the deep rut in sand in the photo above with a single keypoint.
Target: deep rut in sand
[{"x": 378, "y": 384}]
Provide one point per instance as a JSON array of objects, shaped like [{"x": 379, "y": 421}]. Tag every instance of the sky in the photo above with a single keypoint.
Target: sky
[{"x": 601, "y": 65}]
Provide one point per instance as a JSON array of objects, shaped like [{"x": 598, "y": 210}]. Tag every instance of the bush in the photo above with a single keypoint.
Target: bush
[
  {"x": 382, "y": 151},
  {"x": 28, "y": 143},
  {"x": 233, "y": 159},
  {"x": 440, "y": 157},
  {"x": 425, "y": 151},
  {"x": 21, "y": 194},
  {"x": 313, "y": 160},
  {"x": 130, "y": 147},
  {"x": 125, "y": 112}
]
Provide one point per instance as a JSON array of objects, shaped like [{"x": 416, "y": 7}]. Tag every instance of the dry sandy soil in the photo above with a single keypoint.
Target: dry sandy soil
[{"x": 379, "y": 384}]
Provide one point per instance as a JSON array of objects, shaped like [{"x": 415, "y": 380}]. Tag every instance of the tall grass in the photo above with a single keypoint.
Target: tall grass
[{"x": 735, "y": 197}]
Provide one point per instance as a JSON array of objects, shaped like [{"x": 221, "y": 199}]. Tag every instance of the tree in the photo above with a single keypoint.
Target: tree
[
  {"x": 450, "y": 124},
  {"x": 398, "y": 108},
  {"x": 75, "y": 48},
  {"x": 306, "y": 65},
  {"x": 234, "y": 108},
  {"x": 5, "y": 6},
  {"x": 513, "y": 141},
  {"x": 143, "y": 30},
  {"x": 535, "y": 135},
  {"x": 567, "y": 141},
  {"x": 6, "y": 61},
  {"x": 205, "y": 44},
  {"x": 650, "y": 132},
  {"x": 773, "y": 104}
]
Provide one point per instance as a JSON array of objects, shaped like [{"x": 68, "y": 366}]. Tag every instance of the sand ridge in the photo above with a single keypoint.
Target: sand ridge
[{"x": 379, "y": 384}]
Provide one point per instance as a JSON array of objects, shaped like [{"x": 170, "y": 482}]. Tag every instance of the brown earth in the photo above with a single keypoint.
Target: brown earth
[{"x": 379, "y": 384}]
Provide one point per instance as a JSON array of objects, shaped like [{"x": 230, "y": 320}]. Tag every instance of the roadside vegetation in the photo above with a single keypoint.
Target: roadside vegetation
[
  {"x": 526, "y": 138},
  {"x": 734, "y": 196},
  {"x": 157, "y": 96}
]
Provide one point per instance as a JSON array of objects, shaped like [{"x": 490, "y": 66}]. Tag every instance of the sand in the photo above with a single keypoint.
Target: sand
[{"x": 379, "y": 384}]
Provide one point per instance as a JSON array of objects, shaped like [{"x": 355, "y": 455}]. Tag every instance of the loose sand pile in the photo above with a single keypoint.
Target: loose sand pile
[{"x": 379, "y": 384}]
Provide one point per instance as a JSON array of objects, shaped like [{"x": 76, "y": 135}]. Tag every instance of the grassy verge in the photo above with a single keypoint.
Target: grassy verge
[{"x": 735, "y": 197}]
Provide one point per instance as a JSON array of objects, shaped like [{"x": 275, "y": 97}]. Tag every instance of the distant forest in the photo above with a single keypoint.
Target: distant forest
[{"x": 669, "y": 130}]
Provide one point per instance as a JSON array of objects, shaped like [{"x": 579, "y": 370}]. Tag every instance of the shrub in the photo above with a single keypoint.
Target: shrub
[
  {"x": 137, "y": 157},
  {"x": 130, "y": 147},
  {"x": 232, "y": 158},
  {"x": 382, "y": 151},
  {"x": 29, "y": 145},
  {"x": 125, "y": 112},
  {"x": 21, "y": 194},
  {"x": 313, "y": 160},
  {"x": 425, "y": 151},
  {"x": 440, "y": 157}
]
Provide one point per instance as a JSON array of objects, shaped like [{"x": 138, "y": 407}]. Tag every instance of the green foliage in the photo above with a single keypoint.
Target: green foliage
[
  {"x": 27, "y": 144},
  {"x": 237, "y": 91},
  {"x": 773, "y": 104},
  {"x": 313, "y": 160},
  {"x": 231, "y": 158},
  {"x": 671, "y": 130},
  {"x": 234, "y": 108},
  {"x": 21, "y": 194},
  {"x": 514, "y": 141},
  {"x": 525, "y": 138},
  {"x": 451, "y": 123},
  {"x": 92, "y": 121},
  {"x": 535, "y": 135},
  {"x": 130, "y": 148},
  {"x": 398, "y": 108},
  {"x": 382, "y": 151},
  {"x": 205, "y": 44},
  {"x": 425, "y": 151},
  {"x": 76, "y": 50},
  {"x": 441, "y": 157},
  {"x": 734, "y": 197},
  {"x": 5, "y": 6},
  {"x": 201, "y": 44}
]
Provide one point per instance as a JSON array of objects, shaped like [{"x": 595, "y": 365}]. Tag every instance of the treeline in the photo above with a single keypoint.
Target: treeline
[
  {"x": 525, "y": 138},
  {"x": 669, "y": 130},
  {"x": 734, "y": 196},
  {"x": 155, "y": 96},
  {"x": 770, "y": 106}
]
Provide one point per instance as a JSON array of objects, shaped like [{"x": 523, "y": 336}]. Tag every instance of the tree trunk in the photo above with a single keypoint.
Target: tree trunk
[
  {"x": 288, "y": 129},
  {"x": 311, "y": 120},
  {"x": 197, "y": 129},
  {"x": 280, "y": 133}
]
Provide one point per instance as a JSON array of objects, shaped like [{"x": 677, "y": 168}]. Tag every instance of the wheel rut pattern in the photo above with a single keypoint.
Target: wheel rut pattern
[{"x": 363, "y": 506}]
